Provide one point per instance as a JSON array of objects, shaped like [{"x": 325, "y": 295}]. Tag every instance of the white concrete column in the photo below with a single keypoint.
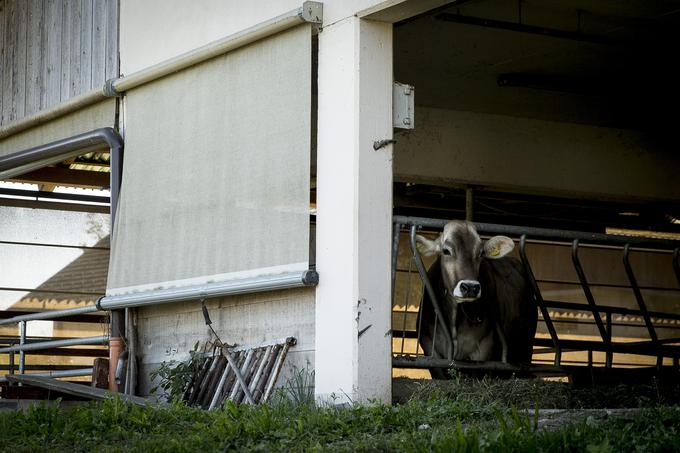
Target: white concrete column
[{"x": 354, "y": 212}]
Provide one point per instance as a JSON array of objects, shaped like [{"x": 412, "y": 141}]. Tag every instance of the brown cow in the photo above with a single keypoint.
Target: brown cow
[{"x": 483, "y": 293}]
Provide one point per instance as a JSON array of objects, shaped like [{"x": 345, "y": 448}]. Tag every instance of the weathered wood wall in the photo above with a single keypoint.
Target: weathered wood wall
[{"x": 52, "y": 50}]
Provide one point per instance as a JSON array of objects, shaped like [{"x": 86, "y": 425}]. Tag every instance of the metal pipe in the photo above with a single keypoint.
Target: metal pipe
[
  {"x": 22, "y": 161},
  {"x": 49, "y": 314},
  {"x": 539, "y": 299},
  {"x": 586, "y": 290},
  {"x": 22, "y": 341},
  {"x": 426, "y": 362},
  {"x": 640, "y": 300},
  {"x": 208, "y": 290},
  {"x": 309, "y": 12},
  {"x": 531, "y": 29},
  {"x": 22, "y": 347},
  {"x": 58, "y": 374},
  {"x": 543, "y": 233},
  {"x": 449, "y": 332}
]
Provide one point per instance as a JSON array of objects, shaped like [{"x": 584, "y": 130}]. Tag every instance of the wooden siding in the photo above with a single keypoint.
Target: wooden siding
[{"x": 52, "y": 50}]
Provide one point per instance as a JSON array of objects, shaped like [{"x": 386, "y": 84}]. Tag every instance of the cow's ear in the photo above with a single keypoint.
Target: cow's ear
[
  {"x": 498, "y": 247},
  {"x": 426, "y": 247}
]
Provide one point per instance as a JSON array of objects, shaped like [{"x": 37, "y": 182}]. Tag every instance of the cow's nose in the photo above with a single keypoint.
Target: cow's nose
[{"x": 470, "y": 289}]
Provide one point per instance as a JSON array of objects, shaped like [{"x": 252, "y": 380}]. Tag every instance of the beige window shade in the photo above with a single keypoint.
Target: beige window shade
[
  {"x": 102, "y": 114},
  {"x": 216, "y": 172}
]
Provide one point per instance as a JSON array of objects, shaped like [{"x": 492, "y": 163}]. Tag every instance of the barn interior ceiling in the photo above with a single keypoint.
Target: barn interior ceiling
[{"x": 605, "y": 63}]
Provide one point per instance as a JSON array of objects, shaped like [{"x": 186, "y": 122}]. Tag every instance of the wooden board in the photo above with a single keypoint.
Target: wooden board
[{"x": 53, "y": 50}]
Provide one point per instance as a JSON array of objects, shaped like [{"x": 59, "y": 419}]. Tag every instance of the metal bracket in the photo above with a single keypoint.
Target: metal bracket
[
  {"x": 403, "y": 106},
  {"x": 383, "y": 143},
  {"x": 311, "y": 12}
]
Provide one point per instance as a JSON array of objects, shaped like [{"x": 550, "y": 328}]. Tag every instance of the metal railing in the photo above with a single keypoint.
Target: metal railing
[
  {"x": 52, "y": 347},
  {"x": 653, "y": 346}
]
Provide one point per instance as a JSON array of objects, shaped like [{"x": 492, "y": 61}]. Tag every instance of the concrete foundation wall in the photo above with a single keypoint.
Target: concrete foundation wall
[
  {"x": 507, "y": 152},
  {"x": 168, "y": 332}
]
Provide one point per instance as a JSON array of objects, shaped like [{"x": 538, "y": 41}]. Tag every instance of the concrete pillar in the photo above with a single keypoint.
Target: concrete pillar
[{"x": 354, "y": 212}]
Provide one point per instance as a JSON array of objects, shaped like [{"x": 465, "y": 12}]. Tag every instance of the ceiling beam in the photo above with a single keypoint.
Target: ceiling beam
[{"x": 65, "y": 177}]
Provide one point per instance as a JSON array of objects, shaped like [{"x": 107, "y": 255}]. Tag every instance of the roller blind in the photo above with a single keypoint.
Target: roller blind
[
  {"x": 101, "y": 114},
  {"x": 216, "y": 173}
]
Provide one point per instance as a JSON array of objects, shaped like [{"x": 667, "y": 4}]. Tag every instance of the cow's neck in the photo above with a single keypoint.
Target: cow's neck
[{"x": 472, "y": 312}]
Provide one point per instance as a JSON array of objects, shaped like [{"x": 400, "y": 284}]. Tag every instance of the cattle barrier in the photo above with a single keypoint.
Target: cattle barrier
[{"x": 600, "y": 316}]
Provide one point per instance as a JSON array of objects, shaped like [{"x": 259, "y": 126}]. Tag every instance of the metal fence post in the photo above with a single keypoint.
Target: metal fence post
[{"x": 22, "y": 341}]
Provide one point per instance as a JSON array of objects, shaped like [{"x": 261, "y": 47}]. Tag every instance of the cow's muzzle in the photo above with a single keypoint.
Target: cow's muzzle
[{"x": 467, "y": 291}]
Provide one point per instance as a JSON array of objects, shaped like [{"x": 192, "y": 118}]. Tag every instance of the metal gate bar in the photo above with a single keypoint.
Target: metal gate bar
[
  {"x": 538, "y": 297},
  {"x": 604, "y": 332},
  {"x": 653, "y": 347},
  {"x": 641, "y": 303}
]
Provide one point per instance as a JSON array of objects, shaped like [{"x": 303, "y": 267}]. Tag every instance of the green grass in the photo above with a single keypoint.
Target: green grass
[{"x": 437, "y": 423}]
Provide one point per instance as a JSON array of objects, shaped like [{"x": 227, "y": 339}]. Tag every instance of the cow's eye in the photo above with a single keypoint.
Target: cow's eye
[{"x": 447, "y": 252}]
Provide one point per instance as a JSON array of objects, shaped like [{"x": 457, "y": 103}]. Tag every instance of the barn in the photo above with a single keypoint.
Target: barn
[{"x": 164, "y": 164}]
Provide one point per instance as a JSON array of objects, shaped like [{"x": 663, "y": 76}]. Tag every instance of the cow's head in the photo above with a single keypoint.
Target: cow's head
[{"x": 461, "y": 252}]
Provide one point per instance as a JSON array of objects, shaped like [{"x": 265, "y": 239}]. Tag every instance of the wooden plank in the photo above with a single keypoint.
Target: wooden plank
[
  {"x": 86, "y": 45},
  {"x": 79, "y": 390},
  {"x": 35, "y": 58},
  {"x": 111, "y": 70},
  {"x": 19, "y": 74},
  {"x": 52, "y": 75},
  {"x": 9, "y": 47},
  {"x": 74, "y": 8},
  {"x": 65, "y": 50},
  {"x": 64, "y": 176},
  {"x": 98, "y": 42},
  {"x": 100, "y": 373}
]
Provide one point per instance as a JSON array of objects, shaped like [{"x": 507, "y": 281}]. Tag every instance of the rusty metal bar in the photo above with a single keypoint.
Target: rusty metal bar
[
  {"x": 539, "y": 300},
  {"x": 277, "y": 369},
  {"x": 586, "y": 290},
  {"x": 266, "y": 356},
  {"x": 433, "y": 298}
]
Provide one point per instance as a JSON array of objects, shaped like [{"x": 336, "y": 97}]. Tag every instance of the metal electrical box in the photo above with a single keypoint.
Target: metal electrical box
[{"x": 403, "y": 106}]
